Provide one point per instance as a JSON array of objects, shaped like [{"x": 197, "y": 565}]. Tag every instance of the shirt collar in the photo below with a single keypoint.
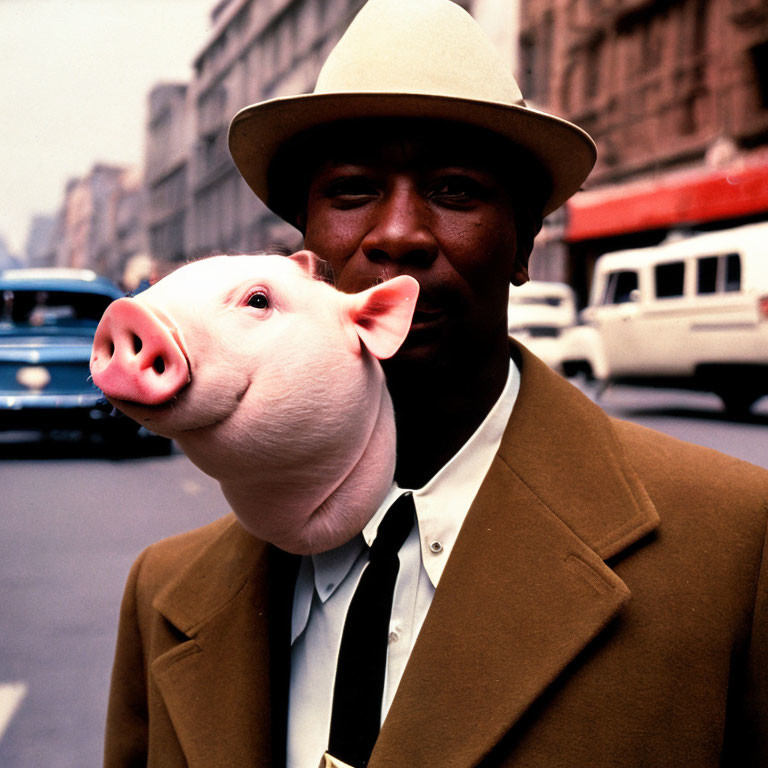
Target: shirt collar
[
  {"x": 441, "y": 506},
  {"x": 443, "y": 503}
]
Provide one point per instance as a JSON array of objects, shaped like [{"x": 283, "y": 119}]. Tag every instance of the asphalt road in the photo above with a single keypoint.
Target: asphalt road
[{"x": 72, "y": 521}]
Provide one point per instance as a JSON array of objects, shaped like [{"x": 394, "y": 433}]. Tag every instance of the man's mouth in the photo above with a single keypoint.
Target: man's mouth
[{"x": 424, "y": 317}]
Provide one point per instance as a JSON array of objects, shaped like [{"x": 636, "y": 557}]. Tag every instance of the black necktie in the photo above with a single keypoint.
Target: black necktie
[{"x": 359, "y": 688}]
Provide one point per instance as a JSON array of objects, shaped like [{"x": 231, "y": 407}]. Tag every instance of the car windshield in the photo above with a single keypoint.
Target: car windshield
[{"x": 47, "y": 309}]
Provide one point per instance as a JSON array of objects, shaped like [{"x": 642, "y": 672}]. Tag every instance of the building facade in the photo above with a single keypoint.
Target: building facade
[
  {"x": 39, "y": 250},
  {"x": 100, "y": 224},
  {"x": 256, "y": 50},
  {"x": 675, "y": 93},
  {"x": 166, "y": 163}
]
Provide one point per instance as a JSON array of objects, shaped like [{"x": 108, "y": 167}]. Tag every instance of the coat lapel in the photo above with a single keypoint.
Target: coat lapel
[
  {"x": 526, "y": 588},
  {"x": 225, "y": 684}
]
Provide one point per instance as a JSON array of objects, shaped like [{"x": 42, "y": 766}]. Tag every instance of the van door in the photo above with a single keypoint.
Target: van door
[
  {"x": 724, "y": 329},
  {"x": 663, "y": 329},
  {"x": 615, "y": 318}
]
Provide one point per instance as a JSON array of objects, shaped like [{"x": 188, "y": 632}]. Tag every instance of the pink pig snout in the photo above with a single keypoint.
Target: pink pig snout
[{"x": 136, "y": 357}]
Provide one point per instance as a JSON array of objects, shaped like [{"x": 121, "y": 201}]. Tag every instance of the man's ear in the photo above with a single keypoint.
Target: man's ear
[
  {"x": 520, "y": 272},
  {"x": 382, "y": 315}
]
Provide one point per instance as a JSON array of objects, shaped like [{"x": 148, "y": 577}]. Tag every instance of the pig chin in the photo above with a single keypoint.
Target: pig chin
[
  {"x": 196, "y": 408},
  {"x": 293, "y": 516}
]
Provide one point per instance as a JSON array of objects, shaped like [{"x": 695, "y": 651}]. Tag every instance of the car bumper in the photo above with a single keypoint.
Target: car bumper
[
  {"x": 50, "y": 411},
  {"x": 19, "y": 402}
]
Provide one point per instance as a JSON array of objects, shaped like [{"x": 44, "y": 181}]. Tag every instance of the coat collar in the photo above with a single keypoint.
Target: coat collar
[
  {"x": 526, "y": 588},
  {"x": 525, "y": 591},
  {"x": 225, "y": 684},
  {"x": 566, "y": 451}
]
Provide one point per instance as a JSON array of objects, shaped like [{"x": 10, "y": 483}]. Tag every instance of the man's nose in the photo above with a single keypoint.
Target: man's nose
[{"x": 401, "y": 230}]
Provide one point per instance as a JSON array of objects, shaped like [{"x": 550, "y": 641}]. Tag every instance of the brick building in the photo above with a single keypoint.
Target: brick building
[{"x": 675, "y": 93}]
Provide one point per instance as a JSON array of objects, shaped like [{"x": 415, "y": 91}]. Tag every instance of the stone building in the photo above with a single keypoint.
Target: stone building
[
  {"x": 39, "y": 250},
  {"x": 127, "y": 238},
  {"x": 675, "y": 93},
  {"x": 166, "y": 160},
  {"x": 85, "y": 221},
  {"x": 256, "y": 50},
  {"x": 100, "y": 223}
]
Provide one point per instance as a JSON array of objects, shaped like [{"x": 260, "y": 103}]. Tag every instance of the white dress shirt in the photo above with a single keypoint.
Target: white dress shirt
[{"x": 327, "y": 581}]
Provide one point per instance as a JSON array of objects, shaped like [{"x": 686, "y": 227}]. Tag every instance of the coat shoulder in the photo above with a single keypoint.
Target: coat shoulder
[
  {"x": 684, "y": 480},
  {"x": 655, "y": 453},
  {"x": 167, "y": 557},
  {"x": 188, "y": 577}
]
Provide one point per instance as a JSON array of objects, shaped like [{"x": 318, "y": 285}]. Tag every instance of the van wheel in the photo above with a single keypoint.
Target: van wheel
[
  {"x": 580, "y": 368},
  {"x": 738, "y": 404}
]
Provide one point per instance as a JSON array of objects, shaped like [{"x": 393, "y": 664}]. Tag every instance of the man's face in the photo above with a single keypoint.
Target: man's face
[{"x": 431, "y": 205}]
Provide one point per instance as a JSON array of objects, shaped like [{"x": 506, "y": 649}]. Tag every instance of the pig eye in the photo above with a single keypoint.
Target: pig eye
[{"x": 258, "y": 300}]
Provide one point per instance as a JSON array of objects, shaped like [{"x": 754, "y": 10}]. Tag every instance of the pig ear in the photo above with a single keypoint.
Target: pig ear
[
  {"x": 313, "y": 265},
  {"x": 382, "y": 315}
]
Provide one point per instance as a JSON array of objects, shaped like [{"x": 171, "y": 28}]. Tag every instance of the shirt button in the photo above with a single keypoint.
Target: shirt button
[{"x": 435, "y": 547}]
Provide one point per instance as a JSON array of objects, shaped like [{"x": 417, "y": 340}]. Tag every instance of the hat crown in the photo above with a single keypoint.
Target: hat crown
[{"x": 418, "y": 46}]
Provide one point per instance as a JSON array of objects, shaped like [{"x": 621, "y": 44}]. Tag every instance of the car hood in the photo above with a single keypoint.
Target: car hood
[{"x": 45, "y": 349}]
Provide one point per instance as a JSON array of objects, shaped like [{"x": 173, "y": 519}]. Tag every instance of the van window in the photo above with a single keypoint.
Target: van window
[
  {"x": 707, "y": 282},
  {"x": 619, "y": 287},
  {"x": 669, "y": 279},
  {"x": 733, "y": 272},
  {"x": 719, "y": 274}
]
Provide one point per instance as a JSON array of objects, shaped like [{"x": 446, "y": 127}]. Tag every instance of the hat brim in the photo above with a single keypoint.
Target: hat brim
[{"x": 257, "y": 132}]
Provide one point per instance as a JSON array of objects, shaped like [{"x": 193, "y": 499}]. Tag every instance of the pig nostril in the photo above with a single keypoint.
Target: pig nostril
[
  {"x": 159, "y": 364},
  {"x": 136, "y": 344},
  {"x": 111, "y": 349}
]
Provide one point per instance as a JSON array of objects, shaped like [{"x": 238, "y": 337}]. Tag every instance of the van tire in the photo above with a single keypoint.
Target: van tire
[
  {"x": 738, "y": 404},
  {"x": 581, "y": 368}
]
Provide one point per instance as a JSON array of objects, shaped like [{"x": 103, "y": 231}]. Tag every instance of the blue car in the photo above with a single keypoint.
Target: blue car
[{"x": 48, "y": 318}]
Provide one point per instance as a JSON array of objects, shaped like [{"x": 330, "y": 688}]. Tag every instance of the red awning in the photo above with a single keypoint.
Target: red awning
[{"x": 682, "y": 197}]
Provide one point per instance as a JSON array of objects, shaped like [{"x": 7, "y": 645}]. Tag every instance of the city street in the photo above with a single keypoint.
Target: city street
[{"x": 73, "y": 521}]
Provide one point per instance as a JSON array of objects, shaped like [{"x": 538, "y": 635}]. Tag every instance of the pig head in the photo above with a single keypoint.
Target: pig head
[{"x": 269, "y": 380}]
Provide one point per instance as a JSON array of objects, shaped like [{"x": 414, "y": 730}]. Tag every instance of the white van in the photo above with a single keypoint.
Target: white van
[
  {"x": 538, "y": 313},
  {"x": 691, "y": 312}
]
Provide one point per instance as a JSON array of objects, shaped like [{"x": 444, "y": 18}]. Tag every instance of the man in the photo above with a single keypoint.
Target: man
[{"x": 573, "y": 591}]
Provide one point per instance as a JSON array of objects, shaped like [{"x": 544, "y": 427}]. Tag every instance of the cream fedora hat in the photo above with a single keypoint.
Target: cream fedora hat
[{"x": 421, "y": 59}]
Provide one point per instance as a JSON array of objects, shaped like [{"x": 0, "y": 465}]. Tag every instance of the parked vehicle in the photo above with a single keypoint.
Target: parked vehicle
[
  {"x": 47, "y": 321},
  {"x": 689, "y": 313},
  {"x": 537, "y": 314}
]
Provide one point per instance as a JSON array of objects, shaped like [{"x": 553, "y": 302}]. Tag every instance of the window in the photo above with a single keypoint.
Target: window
[
  {"x": 759, "y": 55},
  {"x": 619, "y": 288},
  {"x": 594, "y": 67},
  {"x": 719, "y": 274},
  {"x": 669, "y": 279},
  {"x": 732, "y": 272},
  {"x": 707, "y": 282}
]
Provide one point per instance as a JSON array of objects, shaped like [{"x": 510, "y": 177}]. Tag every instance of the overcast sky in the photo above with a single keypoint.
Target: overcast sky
[{"x": 74, "y": 77}]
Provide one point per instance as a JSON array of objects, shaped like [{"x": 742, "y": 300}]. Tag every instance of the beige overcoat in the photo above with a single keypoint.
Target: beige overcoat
[{"x": 606, "y": 605}]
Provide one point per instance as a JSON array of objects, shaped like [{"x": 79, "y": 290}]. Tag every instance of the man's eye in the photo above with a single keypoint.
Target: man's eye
[
  {"x": 456, "y": 190},
  {"x": 351, "y": 189},
  {"x": 258, "y": 300}
]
